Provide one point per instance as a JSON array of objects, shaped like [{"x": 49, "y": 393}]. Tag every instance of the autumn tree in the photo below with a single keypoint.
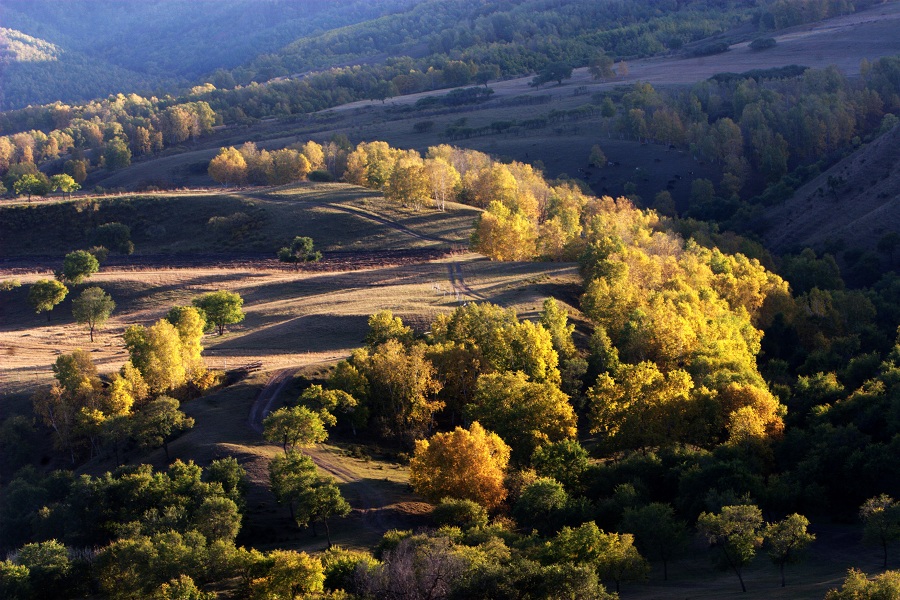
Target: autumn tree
[
  {"x": 408, "y": 183},
  {"x": 44, "y": 294},
  {"x": 639, "y": 407},
  {"x": 384, "y": 326},
  {"x": 159, "y": 421},
  {"x": 221, "y": 308},
  {"x": 297, "y": 427},
  {"x": 881, "y": 518},
  {"x": 787, "y": 540},
  {"x": 443, "y": 179},
  {"x": 228, "y": 167},
  {"x": 401, "y": 389},
  {"x": 468, "y": 464},
  {"x": 190, "y": 323},
  {"x": 523, "y": 413},
  {"x": 157, "y": 353},
  {"x": 736, "y": 531},
  {"x": 78, "y": 266},
  {"x": 92, "y": 308},
  {"x": 502, "y": 234}
]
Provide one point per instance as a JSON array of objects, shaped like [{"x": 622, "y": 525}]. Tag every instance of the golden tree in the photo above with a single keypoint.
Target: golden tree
[{"x": 468, "y": 464}]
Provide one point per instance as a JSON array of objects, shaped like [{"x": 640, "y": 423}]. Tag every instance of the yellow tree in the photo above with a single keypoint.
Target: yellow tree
[
  {"x": 190, "y": 324},
  {"x": 502, "y": 234},
  {"x": 408, "y": 183},
  {"x": 314, "y": 154},
  {"x": 288, "y": 166},
  {"x": 228, "y": 167},
  {"x": 157, "y": 353},
  {"x": 639, "y": 407},
  {"x": 523, "y": 413},
  {"x": 468, "y": 464},
  {"x": 444, "y": 181}
]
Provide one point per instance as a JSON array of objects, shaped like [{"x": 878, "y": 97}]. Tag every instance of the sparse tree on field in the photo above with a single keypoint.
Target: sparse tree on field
[
  {"x": 78, "y": 266},
  {"x": 31, "y": 184},
  {"x": 881, "y": 516},
  {"x": 93, "y": 308},
  {"x": 736, "y": 532},
  {"x": 297, "y": 427},
  {"x": 45, "y": 294},
  {"x": 788, "y": 539},
  {"x": 64, "y": 183},
  {"x": 320, "y": 501},
  {"x": 221, "y": 308},
  {"x": 300, "y": 250},
  {"x": 597, "y": 158}
]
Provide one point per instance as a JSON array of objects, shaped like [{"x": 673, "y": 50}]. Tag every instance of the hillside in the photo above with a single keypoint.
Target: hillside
[
  {"x": 852, "y": 204},
  {"x": 114, "y": 47},
  {"x": 251, "y": 224}
]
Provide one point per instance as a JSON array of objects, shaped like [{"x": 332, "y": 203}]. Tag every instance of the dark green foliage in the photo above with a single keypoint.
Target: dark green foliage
[
  {"x": 300, "y": 250},
  {"x": 555, "y": 71},
  {"x": 763, "y": 43},
  {"x": 115, "y": 236}
]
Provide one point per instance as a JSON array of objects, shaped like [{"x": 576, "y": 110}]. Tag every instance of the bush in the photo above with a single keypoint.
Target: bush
[
  {"x": 321, "y": 176},
  {"x": 763, "y": 43},
  {"x": 423, "y": 126},
  {"x": 115, "y": 236},
  {"x": 464, "y": 514}
]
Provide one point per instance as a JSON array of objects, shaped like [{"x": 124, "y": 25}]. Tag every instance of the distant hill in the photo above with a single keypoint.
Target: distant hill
[
  {"x": 851, "y": 205},
  {"x": 143, "y": 45}
]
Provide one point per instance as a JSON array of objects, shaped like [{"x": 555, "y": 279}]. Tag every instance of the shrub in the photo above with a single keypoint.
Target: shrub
[{"x": 763, "y": 43}]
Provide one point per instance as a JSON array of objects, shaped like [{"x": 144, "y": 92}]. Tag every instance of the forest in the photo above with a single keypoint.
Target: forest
[{"x": 686, "y": 392}]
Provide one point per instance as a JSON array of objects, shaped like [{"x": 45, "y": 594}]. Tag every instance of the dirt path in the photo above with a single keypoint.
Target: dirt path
[
  {"x": 459, "y": 285},
  {"x": 366, "y": 498}
]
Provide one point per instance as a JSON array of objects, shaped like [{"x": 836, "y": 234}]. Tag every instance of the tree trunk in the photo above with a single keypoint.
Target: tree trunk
[
  {"x": 92, "y": 334},
  {"x": 782, "y": 574},
  {"x": 327, "y": 531},
  {"x": 166, "y": 448},
  {"x": 741, "y": 579}
]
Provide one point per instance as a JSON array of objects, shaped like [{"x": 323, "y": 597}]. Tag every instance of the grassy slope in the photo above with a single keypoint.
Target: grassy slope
[{"x": 336, "y": 216}]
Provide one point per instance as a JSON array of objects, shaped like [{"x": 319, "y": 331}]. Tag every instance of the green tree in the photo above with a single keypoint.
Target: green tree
[
  {"x": 881, "y": 516},
  {"x": 736, "y": 532},
  {"x": 218, "y": 518},
  {"x": 115, "y": 236},
  {"x": 857, "y": 586},
  {"x": 116, "y": 154},
  {"x": 297, "y": 427},
  {"x": 601, "y": 66},
  {"x": 64, "y": 183},
  {"x": 320, "y": 501},
  {"x": 221, "y": 308},
  {"x": 565, "y": 461},
  {"x": 78, "y": 266},
  {"x": 92, "y": 308},
  {"x": 300, "y": 250},
  {"x": 14, "y": 581},
  {"x": 182, "y": 588},
  {"x": 656, "y": 531},
  {"x": 612, "y": 555},
  {"x": 787, "y": 540},
  {"x": 159, "y": 421},
  {"x": 44, "y": 294},
  {"x": 540, "y": 504},
  {"x": 48, "y": 565},
  {"x": 289, "y": 476},
  {"x": 31, "y": 184},
  {"x": 555, "y": 71}
]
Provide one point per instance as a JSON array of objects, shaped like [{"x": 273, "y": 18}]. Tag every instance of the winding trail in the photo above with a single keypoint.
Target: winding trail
[{"x": 367, "y": 499}]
